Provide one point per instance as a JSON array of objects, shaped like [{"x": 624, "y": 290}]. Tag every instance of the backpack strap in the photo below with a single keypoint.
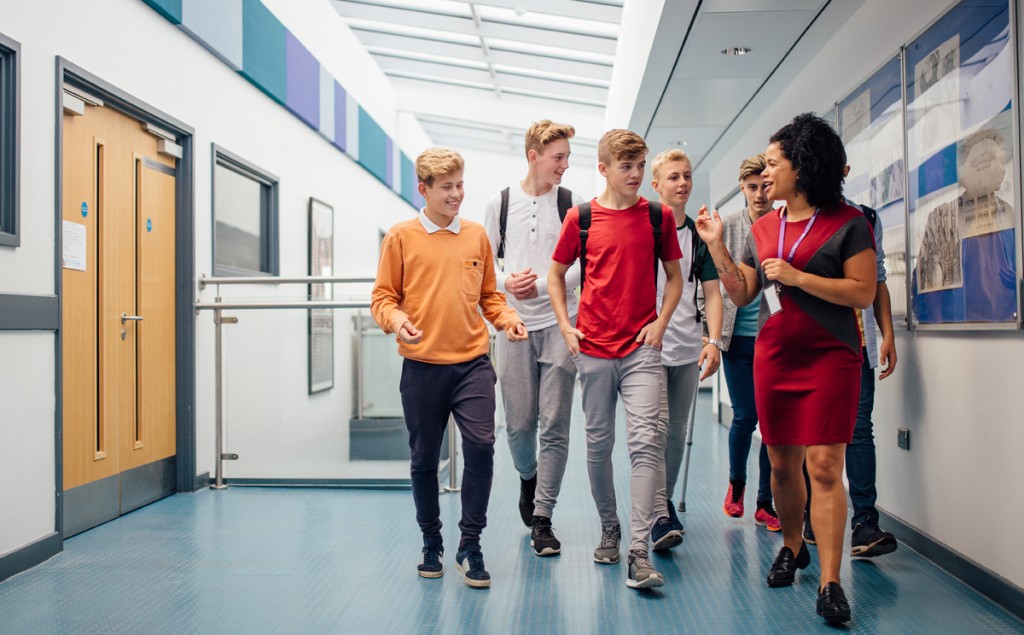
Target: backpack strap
[
  {"x": 564, "y": 202},
  {"x": 502, "y": 223},
  {"x": 654, "y": 209},
  {"x": 585, "y": 217}
]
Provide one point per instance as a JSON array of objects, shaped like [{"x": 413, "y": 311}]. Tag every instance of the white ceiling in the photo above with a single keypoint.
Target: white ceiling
[{"x": 477, "y": 73}]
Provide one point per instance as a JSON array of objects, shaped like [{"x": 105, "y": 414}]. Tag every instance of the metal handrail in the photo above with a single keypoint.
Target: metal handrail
[
  {"x": 205, "y": 282},
  {"x": 219, "y": 319}
]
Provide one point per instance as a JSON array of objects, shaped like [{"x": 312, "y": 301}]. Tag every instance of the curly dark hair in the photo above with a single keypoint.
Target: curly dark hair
[{"x": 817, "y": 155}]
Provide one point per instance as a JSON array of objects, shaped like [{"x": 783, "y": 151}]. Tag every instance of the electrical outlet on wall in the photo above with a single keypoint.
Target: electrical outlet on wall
[{"x": 903, "y": 438}]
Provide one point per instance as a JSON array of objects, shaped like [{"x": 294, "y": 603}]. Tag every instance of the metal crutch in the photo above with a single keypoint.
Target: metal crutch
[{"x": 689, "y": 444}]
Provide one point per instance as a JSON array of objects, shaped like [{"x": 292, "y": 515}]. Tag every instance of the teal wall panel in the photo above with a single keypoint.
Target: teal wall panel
[
  {"x": 373, "y": 142},
  {"x": 170, "y": 9},
  {"x": 264, "y": 56},
  {"x": 408, "y": 179}
]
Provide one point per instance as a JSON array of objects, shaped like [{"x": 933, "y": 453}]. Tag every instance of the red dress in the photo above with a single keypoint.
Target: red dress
[{"x": 807, "y": 358}]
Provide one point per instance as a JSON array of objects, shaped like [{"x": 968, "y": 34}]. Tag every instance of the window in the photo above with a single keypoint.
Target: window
[
  {"x": 9, "y": 142},
  {"x": 244, "y": 217}
]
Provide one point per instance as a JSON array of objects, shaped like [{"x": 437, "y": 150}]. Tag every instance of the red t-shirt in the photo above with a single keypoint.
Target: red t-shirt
[{"x": 619, "y": 291}]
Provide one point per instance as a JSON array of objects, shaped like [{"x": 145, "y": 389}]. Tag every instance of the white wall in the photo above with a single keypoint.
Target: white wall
[
  {"x": 958, "y": 392},
  {"x": 271, "y": 419}
]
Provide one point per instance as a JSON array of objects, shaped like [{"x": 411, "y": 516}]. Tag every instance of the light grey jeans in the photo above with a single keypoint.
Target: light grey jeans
[
  {"x": 637, "y": 378},
  {"x": 677, "y": 395},
  {"x": 537, "y": 378}
]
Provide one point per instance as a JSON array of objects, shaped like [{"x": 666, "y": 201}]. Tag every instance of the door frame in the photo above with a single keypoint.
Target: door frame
[{"x": 184, "y": 269}]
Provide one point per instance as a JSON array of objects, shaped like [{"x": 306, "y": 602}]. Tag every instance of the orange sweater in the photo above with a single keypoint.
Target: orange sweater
[{"x": 436, "y": 281}]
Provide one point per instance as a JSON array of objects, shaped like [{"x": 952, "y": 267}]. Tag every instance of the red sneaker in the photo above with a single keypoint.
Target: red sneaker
[
  {"x": 733, "y": 505},
  {"x": 767, "y": 518}
]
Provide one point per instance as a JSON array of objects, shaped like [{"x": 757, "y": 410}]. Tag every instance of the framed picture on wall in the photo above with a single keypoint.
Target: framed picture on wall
[
  {"x": 871, "y": 126},
  {"x": 321, "y": 321},
  {"x": 963, "y": 189}
]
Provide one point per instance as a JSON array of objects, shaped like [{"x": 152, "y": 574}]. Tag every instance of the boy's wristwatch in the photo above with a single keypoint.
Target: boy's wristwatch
[{"x": 717, "y": 343}]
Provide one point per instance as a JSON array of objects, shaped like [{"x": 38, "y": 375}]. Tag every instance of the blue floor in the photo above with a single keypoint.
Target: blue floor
[{"x": 261, "y": 560}]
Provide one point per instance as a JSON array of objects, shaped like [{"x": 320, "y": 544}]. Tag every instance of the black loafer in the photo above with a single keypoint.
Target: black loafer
[
  {"x": 784, "y": 568},
  {"x": 832, "y": 604}
]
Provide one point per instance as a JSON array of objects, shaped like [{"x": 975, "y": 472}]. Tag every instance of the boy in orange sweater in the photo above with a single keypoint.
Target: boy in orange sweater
[{"x": 435, "y": 270}]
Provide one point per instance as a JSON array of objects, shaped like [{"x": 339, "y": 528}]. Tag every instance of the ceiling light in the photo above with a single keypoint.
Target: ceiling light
[{"x": 736, "y": 50}]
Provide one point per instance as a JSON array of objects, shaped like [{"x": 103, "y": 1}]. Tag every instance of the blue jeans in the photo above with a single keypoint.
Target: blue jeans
[
  {"x": 860, "y": 454},
  {"x": 738, "y": 364}
]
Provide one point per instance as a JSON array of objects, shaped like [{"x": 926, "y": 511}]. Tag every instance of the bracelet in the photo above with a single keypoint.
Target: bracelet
[{"x": 716, "y": 343}]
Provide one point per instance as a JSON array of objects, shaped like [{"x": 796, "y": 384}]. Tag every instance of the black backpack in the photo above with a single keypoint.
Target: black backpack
[
  {"x": 655, "y": 213},
  {"x": 564, "y": 203},
  {"x": 871, "y": 215}
]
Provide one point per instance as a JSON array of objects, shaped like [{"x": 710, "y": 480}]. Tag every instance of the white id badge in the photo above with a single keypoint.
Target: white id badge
[{"x": 771, "y": 297}]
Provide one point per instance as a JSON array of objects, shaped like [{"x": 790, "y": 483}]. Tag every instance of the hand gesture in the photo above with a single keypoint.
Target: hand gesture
[
  {"x": 709, "y": 225},
  {"x": 516, "y": 332},
  {"x": 778, "y": 270},
  {"x": 573, "y": 337},
  {"x": 409, "y": 333},
  {"x": 651, "y": 335},
  {"x": 522, "y": 284}
]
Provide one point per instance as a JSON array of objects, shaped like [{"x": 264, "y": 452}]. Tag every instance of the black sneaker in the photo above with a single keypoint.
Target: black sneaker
[
  {"x": 542, "y": 538},
  {"x": 664, "y": 535},
  {"x": 808, "y": 530},
  {"x": 430, "y": 566},
  {"x": 869, "y": 540},
  {"x": 676, "y": 523},
  {"x": 471, "y": 564},
  {"x": 527, "y": 490}
]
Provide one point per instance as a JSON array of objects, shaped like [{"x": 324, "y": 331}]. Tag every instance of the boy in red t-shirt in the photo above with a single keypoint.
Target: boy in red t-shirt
[{"x": 616, "y": 344}]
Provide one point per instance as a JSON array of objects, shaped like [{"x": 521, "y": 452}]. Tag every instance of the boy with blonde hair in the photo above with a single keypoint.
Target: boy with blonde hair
[
  {"x": 619, "y": 238},
  {"x": 536, "y": 376},
  {"x": 683, "y": 352},
  {"x": 435, "y": 272}
]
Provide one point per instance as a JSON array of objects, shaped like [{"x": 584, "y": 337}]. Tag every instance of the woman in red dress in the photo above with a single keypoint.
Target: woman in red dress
[{"x": 815, "y": 261}]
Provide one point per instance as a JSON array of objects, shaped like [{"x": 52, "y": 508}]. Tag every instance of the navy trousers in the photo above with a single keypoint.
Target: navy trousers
[{"x": 430, "y": 393}]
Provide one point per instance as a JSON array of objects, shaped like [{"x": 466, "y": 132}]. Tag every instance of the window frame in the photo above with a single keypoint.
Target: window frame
[
  {"x": 269, "y": 213},
  {"x": 10, "y": 153}
]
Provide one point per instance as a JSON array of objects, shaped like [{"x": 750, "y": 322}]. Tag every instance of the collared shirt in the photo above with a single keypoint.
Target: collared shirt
[
  {"x": 432, "y": 227},
  {"x": 531, "y": 232}
]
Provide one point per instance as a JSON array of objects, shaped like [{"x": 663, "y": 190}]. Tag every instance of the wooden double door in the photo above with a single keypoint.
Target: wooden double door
[{"x": 118, "y": 318}]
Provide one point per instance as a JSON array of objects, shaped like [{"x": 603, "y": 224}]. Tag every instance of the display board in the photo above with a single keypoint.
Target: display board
[
  {"x": 960, "y": 82},
  {"x": 871, "y": 126}
]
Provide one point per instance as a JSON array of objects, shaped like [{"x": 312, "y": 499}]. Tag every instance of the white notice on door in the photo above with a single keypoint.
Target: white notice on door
[{"x": 73, "y": 253}]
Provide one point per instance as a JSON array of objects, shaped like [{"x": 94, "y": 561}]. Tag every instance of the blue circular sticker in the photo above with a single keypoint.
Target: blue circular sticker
[
  {"x": 85, "y": 209},
  {"x": 149, "y": 224}
]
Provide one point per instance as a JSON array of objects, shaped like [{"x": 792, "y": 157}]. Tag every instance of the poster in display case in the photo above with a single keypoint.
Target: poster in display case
[{"x": 962, "y": 173}]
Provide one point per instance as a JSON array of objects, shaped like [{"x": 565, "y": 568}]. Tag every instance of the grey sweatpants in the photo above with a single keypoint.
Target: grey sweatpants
[
  {"x": 537, "y": 378},
  {"x": 637, "y": 378},
  {"x": 677, "y": 395}
]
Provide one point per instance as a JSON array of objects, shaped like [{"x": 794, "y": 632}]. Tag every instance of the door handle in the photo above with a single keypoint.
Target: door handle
[{"x": 134, "y": 318}]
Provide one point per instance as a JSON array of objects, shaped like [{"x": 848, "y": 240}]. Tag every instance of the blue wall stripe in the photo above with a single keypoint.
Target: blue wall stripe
[
  {"x": 302, "y": 79},
  {"x": 246, "y": 36}
]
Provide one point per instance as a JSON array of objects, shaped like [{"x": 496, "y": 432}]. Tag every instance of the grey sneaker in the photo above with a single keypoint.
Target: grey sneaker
[
  {"x": 608, "y": 551},
  {"x": 642, "y": 574}
]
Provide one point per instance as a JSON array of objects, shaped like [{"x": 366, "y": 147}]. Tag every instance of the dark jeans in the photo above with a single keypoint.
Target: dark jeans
[
  {"x": 860, "y": 454},
  {"x": 738, "y": 363},
  {"x": 430, "y": 393}
]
